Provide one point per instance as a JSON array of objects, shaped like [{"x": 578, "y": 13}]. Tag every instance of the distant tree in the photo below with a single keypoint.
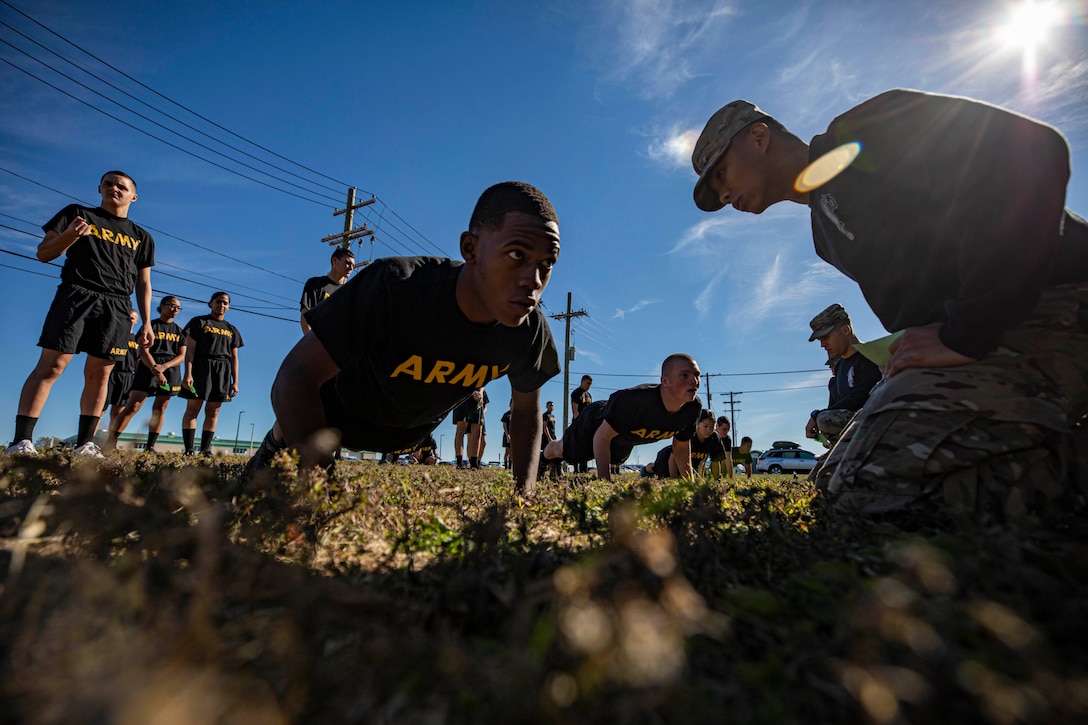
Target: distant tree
[{"x": 48, "y": 442}]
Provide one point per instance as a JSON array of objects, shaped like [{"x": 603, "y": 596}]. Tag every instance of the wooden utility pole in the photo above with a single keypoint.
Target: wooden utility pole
[
  {"x": 351, "y": 233},
  {"x": 733, "y": 415},
  {"x": 567, "y": 356}
]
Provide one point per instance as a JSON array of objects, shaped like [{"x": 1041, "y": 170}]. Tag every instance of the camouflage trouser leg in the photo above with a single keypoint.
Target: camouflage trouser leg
[
  {"x": 832, "y": 422},
  {"x": 995, "y": 436}
]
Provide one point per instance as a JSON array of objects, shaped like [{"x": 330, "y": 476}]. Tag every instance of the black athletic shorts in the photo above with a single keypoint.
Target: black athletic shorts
[
  {"x": 468, "y": 411},
  {"x": 147, "y": 382},
  {"x": 357, "y": 435},
  {"x": 212, "y": 378},
  {"x": 119, "y": 386},
  {"x": 578, "y": 438},
  {"x": 80, "y": 320}
]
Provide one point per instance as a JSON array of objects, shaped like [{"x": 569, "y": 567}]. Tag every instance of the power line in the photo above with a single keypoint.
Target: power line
[
  {"x": 149, "y": 120},
  {"x": 160, "y": 231},
  {"x": 157, "y": 138},
  {"x": 179, "y": 296},
  {"x": 173, "y": 102}
]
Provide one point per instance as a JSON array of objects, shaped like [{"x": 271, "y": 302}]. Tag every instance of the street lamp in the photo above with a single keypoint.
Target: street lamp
[{"x": 237, "y": 430}]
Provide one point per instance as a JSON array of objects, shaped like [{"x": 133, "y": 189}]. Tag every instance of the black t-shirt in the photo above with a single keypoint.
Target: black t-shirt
[
  {"x": 214, "y": 338},
  {"x": 579, "y": 398},
  {"x": 638, "y": 416},
  {"x": 712, "y": 448},
  {"x": 169, "y": 338},
  {"x": 727, "y": 446},
  {"x": 109, "y": 256},
  {"x": 953, "y": 212},
  {"x": 126, "y": 357},
  {"x": 316, "y": 290},
  {"x": 549, "y": 426},
  {"x": 854, "y": 377},
  {"x": 399, "y": 379}
]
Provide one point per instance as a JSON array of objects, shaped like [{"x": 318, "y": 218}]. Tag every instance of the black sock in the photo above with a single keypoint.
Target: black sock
[
  {"x": 151, "y": 438},
  {"x": 87, "y": 426},
  {"x": 473, "y": 462},
  {"x": 206, "y": 439},
  {"x": 187, "y": 436},
  {"x": 460, "y": 460},
  {"x": 24, "y": 428}
]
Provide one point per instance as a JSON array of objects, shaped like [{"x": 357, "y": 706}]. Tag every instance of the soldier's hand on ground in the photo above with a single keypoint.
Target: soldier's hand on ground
[{"x": 921, "y": 347}]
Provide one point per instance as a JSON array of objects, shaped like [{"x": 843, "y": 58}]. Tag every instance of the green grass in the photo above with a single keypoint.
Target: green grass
[{"x": 151, "y": 585}]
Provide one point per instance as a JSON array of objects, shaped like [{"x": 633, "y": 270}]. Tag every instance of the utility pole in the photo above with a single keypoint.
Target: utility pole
[
  {"x": 733, "y": 414},
  {"x": 567, "y": 357},
  {"x": 351, "y": 233}
]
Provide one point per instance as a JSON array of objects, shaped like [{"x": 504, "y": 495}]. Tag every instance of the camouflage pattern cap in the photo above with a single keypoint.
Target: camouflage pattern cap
[
  {"x": 823, "y": 323},
  {"x": 712, "y": 143}
]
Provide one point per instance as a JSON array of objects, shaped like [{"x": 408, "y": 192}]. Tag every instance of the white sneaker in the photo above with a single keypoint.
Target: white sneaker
[
  {"x": 23, "y": 447},
  {"x": 89, "y": 449}
]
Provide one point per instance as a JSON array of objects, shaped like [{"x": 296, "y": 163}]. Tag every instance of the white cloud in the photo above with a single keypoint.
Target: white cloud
[{"x": 620, "y": 314}]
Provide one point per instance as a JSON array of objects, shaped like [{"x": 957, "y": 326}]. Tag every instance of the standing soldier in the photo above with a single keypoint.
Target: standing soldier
[
  {"x": 580, "y": 398},
  {"x": 211, "y": 371},
  {"x": 318, "y": 289},
  {"x": 107, "y": 257},
  {"x": 158, "y": 374}
]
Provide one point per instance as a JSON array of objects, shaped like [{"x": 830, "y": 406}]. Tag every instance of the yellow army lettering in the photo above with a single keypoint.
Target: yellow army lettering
[
  {"x": 118, "y": 351},
  {"x": 218, "y": 331},
  {"x": 168, "y": 336},
  {"x": 654, "y": 435},
  {"x": 446, "y": 372},
  {"x": 118, "y": 238}
]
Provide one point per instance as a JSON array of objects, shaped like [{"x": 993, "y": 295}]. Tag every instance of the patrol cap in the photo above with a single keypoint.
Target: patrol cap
[
  {"x": 712, "y": 143},
  {"x": 823, "y": 323}
]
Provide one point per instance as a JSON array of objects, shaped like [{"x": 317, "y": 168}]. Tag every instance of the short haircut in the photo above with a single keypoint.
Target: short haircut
[
  {"x": 722, "y": 420},
  {"x": 707, "y": 414},
  {"x": 674, "y": 359},
  {"x": 341, "y": 252},
  {"x": 587, "y": 377},
  {"x": 117, "y": 173},
  {"x": 220, "y": 293},
  {"x": 745, "y": 439},
  {"x": 500, "y": 199},
  {"x": 776, "y": 127},
  {"x": 168, "y": 297}
]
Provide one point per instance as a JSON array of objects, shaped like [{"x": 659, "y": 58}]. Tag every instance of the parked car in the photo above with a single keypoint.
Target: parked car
[{"x": 784, "y": 460}]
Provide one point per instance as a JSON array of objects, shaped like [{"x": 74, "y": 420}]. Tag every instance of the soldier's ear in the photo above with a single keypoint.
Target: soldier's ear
[{"x": 470, "y": 245}]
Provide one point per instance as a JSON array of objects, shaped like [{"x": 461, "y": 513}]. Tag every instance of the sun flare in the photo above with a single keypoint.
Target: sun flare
[{"x": 1029, "y": 23}]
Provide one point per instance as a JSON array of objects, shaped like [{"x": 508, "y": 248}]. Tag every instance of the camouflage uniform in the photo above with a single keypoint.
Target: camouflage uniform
[{"x": 994, "y": 436}]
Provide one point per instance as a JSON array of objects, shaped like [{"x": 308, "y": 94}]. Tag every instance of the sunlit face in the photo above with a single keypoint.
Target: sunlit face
[
  {"x": 169, "y": 309},
  {"x": 219, "y": 306},
  {"x": 838, "y": 341},
  {"x": 722, "y": 430},
  {"x": 682, "y": 379},
  {"x": 705, "y": 428},
  {"x": 551, "y": 406},
  {"x": 117, "y": 191},
  {"x": 507, "y": 269},
  {"x": 342, "y": 266},
  {"x": 740, "y": 177}
]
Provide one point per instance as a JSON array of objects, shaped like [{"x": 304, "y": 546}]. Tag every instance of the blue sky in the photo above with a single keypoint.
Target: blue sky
[{"x": 426, "y": 104}]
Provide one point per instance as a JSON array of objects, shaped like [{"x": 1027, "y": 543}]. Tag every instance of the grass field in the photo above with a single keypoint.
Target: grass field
[{"x": 162, "y": 590}]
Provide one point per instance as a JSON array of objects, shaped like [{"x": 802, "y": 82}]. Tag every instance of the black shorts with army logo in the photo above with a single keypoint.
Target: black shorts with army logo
[
  {"x": 212, "y": 378},
  {"x": 147, "y": 382},
  {"x": 119, "y": 386},
  {"x": 81, "y": 320}
]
